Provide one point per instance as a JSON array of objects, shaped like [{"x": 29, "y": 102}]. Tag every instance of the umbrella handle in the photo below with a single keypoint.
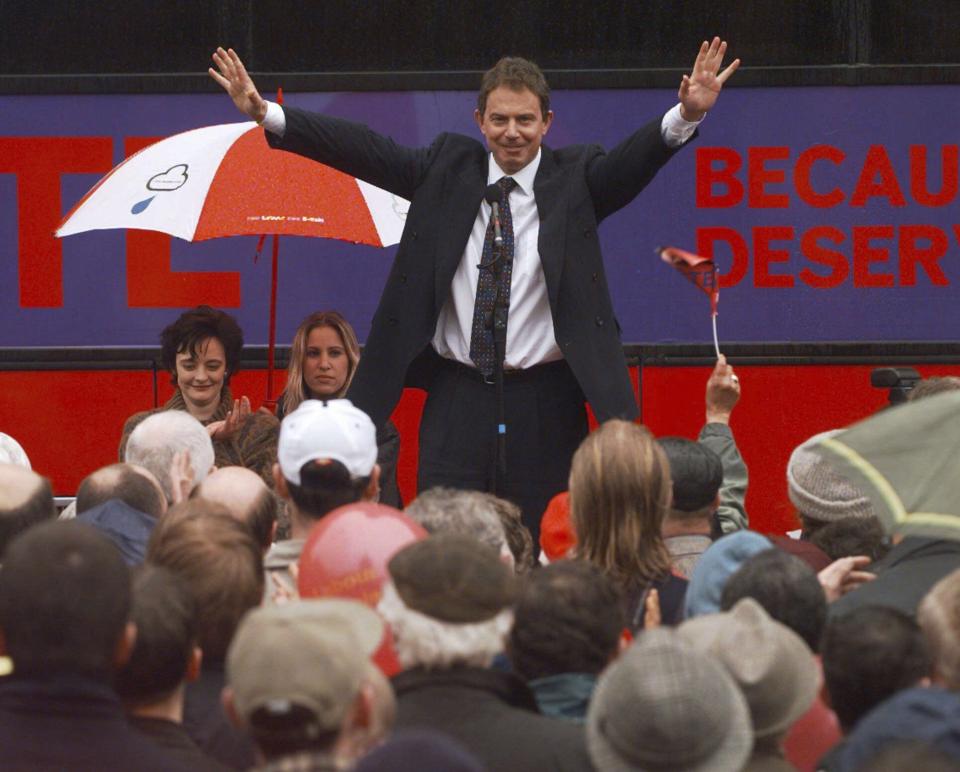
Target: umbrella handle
[{"x": 272, "y": 332}]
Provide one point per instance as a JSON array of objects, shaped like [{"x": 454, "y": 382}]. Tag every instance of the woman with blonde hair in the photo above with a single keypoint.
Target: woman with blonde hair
[
  {"x": 620, "y": 491},
  {"x": 323, "y": 358}
]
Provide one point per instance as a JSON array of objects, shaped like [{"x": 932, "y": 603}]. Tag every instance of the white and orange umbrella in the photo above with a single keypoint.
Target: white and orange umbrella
[{"x": 225, "y": 180}]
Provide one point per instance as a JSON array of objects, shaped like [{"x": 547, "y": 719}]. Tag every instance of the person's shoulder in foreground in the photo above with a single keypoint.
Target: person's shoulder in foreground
[{"x": 65, "y": 612}]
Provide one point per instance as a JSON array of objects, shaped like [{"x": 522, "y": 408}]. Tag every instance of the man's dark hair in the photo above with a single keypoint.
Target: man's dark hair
[
  {"x": 852, "y": 536},
  {"x": 37, "y": 508},
  {"x": 324, "y": 487},
  {"x": 568, "y": 620},
  {"x": 120, "y": 481},
  {"x": 64, "y": 601},
  {"x": 262, "y": 517},
  {"x": 191, "y": 329},
  {"x": 869, "y": 655},
  {"x": 166, "y": 618},
  {"x": 517, "y": 74},
  {"x": 696, "y": 472},
  {"x": 291, "y": 730},
  {"x": 217, "y": 555},
  {"x": 786, "y": 587},
  {"x": 809, "y": 526},
  {"x": 519, "y": 538}
]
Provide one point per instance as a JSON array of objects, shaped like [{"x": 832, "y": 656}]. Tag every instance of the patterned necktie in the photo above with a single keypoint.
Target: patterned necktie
[{"x": 494, "y": 279}]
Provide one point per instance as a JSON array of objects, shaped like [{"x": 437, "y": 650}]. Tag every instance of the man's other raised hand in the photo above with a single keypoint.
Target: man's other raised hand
[
  {"x": 699, "y": 90},
  {"x": 232, "y": 76}
]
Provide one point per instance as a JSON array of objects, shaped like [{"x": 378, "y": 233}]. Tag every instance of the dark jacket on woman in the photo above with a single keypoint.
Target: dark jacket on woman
[{"x": 672, "y": 591}]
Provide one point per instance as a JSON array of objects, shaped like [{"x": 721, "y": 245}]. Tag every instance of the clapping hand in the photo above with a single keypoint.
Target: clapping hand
[
  {"x": 227, "y": 428},
  {"x": 181, "y": 477},
  {"x": 699, "y": 90}
]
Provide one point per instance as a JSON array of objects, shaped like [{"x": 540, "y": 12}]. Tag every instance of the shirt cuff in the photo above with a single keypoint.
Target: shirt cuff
[
  {"x": 674, "y": 129},
  {"x": 275, "y": 121}
]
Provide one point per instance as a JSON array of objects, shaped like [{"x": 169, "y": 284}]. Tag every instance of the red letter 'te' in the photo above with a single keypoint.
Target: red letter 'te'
[{"x": 38, "y": 163}]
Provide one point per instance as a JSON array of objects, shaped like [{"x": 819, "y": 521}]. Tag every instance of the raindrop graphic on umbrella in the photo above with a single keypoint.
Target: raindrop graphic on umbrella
[{"x": 173, "y": 178}]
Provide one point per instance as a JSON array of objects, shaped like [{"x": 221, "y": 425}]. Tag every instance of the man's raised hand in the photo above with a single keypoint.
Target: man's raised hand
[
  {"x": 699, "y": 90},
  {"x": 233, "y": 77},
  {"x": 723, "y": 392}
]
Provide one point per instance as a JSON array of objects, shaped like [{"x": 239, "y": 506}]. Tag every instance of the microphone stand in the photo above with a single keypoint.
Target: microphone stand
[{"x": 498, "y": 325}]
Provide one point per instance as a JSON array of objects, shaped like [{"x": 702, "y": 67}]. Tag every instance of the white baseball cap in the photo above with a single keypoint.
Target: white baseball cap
[{"x": 330, "y": 429}]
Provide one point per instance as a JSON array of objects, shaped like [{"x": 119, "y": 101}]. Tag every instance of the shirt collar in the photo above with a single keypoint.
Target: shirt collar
[{"x": 524, "y": 178}]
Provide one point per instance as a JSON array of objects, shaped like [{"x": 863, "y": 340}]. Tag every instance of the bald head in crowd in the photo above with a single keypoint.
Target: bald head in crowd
[
  {"x": 132, "y": 484},
  {"x": 159, "y": 437},
  {"x": 12, "y": 452},
  {"x": 246, "y": 497},
  {"x": 25, "y": 500}
]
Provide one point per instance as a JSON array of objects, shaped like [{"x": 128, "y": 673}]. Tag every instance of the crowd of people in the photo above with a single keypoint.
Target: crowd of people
[
  {"x": 242, "y": 589},
  {"x": 234, "y": 594}
]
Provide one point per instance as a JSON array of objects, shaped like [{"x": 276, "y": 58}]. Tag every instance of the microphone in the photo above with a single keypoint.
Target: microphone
[{"x": 492, "y": 197}]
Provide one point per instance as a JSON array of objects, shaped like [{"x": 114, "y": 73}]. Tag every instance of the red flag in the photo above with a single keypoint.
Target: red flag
[{"x": 701, "y": 271}]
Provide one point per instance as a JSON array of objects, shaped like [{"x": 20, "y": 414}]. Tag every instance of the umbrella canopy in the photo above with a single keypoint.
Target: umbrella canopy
[
  {"x": 225, "y": 180},
  {"x": 907, "y": 460}
]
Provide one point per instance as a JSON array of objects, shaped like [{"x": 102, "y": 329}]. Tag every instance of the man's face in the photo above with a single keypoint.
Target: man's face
[{"x": 513, "y": 126}]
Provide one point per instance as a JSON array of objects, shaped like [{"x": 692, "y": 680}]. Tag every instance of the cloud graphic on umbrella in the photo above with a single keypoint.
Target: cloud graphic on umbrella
[{"x": 172, "y": 179}]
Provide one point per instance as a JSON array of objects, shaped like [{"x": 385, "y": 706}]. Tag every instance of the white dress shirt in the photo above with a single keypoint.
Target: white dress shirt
[{"x": 530, "y": 338}]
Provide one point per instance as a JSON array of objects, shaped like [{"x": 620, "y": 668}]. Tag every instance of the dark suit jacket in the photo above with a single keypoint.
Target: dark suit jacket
[{"x": 575, "y": 188}]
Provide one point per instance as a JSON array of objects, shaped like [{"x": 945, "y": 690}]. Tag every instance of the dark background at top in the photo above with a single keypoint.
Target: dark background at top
[{"x": 57, "y": 46}]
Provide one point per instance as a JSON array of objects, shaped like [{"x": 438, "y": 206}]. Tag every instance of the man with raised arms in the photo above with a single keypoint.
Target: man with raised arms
[{"x": 434, "y": 324}]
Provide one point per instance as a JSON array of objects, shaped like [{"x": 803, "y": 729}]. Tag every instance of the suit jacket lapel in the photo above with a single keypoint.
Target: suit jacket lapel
[
  {"x": 547, "y": 187},
  {"x": 463, "y": 193}
]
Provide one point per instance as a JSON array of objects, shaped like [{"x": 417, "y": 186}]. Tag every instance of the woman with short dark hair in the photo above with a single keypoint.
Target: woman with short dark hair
[{"x": 201, "y": 351}]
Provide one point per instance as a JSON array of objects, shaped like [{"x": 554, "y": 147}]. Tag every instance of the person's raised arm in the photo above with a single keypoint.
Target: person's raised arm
[
  {"x": 699, "y": 90},
  {"x": 347, "y": 146},
  {"x": 233, "y": 78},
  {"x": 722, "y": 395},
  {"x": 616, "y": 178}
]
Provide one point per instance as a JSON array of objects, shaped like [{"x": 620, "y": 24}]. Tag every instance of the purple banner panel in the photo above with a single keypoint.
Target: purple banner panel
[{"x": 831, "y": 213}]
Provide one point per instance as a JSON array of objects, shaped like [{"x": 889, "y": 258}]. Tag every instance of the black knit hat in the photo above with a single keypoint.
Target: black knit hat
[{"x": 696, "y": 471}]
